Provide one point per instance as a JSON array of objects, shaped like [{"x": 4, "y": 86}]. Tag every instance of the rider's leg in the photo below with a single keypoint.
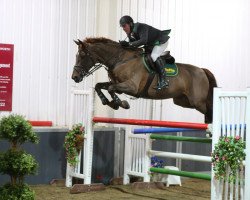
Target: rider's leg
[
  {"x": 158, "y": 50},
  {"x": 160, "y": 64}
]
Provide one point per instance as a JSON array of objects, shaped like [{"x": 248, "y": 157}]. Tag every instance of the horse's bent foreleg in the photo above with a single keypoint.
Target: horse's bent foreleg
[
  {"x": 99, "y": 92},
  {"x": 116, "y": 102},
  {"x": 116, "y": 99},
  {"x": 127, "y": 87}
]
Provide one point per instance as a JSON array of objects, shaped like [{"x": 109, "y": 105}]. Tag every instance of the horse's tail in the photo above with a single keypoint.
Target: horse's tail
[{"x": 209, "y": 103}]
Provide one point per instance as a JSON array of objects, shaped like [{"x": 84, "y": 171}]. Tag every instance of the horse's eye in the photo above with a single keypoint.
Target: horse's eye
[{"x": 82, "y": 53}]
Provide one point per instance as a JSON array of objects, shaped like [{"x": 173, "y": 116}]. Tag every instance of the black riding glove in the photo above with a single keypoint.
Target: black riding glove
[{"x": 124, "y": 43}]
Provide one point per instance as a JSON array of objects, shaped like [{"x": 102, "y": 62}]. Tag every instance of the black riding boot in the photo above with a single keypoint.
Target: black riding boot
[{"x": 160, "y": 65}]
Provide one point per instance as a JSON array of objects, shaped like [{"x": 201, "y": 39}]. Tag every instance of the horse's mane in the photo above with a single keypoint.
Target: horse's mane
[{"x": 92, "y": 40}]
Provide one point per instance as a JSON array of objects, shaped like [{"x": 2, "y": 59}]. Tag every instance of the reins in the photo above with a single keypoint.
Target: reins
[{"x": 80, "y": 69}]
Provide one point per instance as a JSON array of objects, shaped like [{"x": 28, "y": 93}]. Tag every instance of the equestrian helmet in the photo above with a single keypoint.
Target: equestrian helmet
[{"x": 126, "y": 20}]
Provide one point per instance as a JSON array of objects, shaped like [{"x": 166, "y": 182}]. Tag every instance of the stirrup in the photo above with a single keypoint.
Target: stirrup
[{"x": 161, "y": 85}]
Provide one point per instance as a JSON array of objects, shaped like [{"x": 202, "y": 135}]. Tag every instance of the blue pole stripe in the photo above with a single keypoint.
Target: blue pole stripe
[
  {"x": 162, "y": 130},
  {"x": 167, "y": 130}
]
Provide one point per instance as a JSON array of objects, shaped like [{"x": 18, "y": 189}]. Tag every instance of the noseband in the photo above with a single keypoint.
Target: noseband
[{"x": 80, "y": 70}]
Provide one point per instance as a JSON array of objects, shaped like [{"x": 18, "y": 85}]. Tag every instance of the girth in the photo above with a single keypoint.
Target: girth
[{"x": 144, "y": 92}]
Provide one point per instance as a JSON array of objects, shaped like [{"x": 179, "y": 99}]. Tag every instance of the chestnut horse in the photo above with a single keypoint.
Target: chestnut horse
[{"x": 191, "y": 88}]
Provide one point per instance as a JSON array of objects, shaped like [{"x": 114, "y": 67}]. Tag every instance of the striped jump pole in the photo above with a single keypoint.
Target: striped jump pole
[
  {"x": 181, "y": 173},
  {"x": 162, "y": 130},
  {"x": 199, "y": 126}
]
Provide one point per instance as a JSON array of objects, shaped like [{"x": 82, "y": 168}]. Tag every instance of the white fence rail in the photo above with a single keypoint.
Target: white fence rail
[{"x": 82, "y": 112}]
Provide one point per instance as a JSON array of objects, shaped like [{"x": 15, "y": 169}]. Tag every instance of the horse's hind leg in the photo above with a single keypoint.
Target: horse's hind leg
[
  {"x": 209, "y": 116},
  {"x": 182, "y": 101},
  {"x": 186, "y": 102}
]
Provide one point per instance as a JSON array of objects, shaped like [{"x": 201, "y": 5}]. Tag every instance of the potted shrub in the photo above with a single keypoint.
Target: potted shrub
[{"x": 15, "y": 161}]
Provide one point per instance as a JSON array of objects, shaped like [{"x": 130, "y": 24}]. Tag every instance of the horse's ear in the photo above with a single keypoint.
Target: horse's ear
[{"x": 78, "y": 42}]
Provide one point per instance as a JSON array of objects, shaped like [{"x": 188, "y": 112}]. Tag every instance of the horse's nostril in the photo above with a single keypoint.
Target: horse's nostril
[{"x": 76, "y": 79}]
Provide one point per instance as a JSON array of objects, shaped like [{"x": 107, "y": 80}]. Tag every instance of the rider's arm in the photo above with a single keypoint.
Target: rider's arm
[
  {"x": 143, "y": 35},
  {"x": 131, "y": 38}
]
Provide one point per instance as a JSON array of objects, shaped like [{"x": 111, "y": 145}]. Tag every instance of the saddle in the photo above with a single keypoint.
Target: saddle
[{"x": 171, "y": 68}]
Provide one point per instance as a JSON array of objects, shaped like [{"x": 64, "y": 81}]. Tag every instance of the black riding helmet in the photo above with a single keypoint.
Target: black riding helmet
[{"x": 126, "y": 20}]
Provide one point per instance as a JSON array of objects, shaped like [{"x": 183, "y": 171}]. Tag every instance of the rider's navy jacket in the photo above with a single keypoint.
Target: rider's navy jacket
[{"x": 144, "y": 34}]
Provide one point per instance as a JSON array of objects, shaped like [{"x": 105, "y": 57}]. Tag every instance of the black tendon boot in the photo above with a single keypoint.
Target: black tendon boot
[{"x": 160, "y": 65}]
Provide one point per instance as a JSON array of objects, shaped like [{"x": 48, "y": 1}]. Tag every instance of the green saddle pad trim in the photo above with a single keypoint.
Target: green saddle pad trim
[{"x": 171, "y": 69}]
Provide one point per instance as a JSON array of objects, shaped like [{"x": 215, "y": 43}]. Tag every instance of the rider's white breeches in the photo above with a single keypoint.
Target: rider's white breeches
[{"x": 158, "y": 50}]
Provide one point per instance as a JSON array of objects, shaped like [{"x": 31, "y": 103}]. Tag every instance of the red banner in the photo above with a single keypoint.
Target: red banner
[{"x": 6, "y": 76}]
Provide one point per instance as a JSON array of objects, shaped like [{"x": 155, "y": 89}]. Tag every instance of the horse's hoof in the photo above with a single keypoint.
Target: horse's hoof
[
  {"x": 125, "y": 105},
  {"x": 113, "y": 105}
]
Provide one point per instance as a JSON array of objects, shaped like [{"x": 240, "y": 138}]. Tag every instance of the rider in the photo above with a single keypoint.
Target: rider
[{"x": 143, "y": 34}]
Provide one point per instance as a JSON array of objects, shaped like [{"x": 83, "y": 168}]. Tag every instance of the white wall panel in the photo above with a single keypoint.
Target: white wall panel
[
  {"x": 42, "y": 33},
  {"x": 210, "y": 34}
]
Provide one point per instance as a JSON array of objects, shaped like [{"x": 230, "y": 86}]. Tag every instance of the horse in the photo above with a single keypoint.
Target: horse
[{"x": 191, "y": 88}]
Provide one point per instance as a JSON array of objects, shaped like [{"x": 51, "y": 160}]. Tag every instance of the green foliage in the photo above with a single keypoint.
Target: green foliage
[
  {"x": 17, "y": 164},
  {"x": 228, "y": 152},
  {"x": 17, "y": 130},
  {"x": 16, "y": 192},
  {"x": 73, "y": 143}
]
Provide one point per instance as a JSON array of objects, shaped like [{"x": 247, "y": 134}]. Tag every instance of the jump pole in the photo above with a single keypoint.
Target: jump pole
[
  {"x": 181, "y": 156},
  {"x": 199, "y": 126},
  {"x": 162, "y": 130},
  {"x": 177, "y": 138},
  {"x": 181, "y": 173}
]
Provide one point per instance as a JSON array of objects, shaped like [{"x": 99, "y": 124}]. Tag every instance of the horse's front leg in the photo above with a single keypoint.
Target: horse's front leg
[
  {"x": 127, "y": 87},
  {"x": 118, "y": 102},
  {"x": 105, "y": 85},
  {"x": 98, "y": 89}
]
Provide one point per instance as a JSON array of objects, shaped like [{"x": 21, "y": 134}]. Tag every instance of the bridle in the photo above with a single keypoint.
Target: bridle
[{"x": 80, "y": 69}]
